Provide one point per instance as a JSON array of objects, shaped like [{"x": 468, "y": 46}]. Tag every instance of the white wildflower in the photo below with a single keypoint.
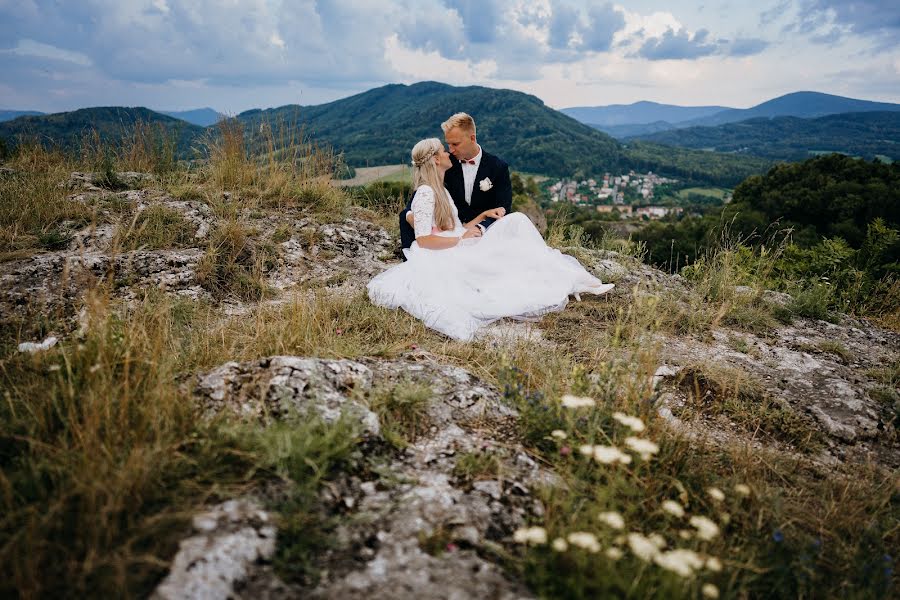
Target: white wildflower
[
  {"x": 742, "y": 489},
  {"x": 33, "y": 347},
  {"x": 530, "y": 535},
  {"x": 559, "y": 545},
  {"x": 685, "y": 534},
  {"x": 633, "y": 423},
  {"x": 710, "y": 591},
  {"x": 642, "y": 547},
  {"x": 673, "y": 508},
  {"x": 681, "y": 561},
  {"x": 612, "y": 519},
  {"x": 570, "y": 401},
  {"x": 584, "y": 540},
  {"x": 716, "y": 494},
  {"x": 658, "y": 540},
  {"x": 587, "y": 450},
  {"x": 725, "y": 518},
  {"x": 610, "y": 454},
  {"x": 559, "y": 434},
  {"x": 706, "y": 529},
  {"x": 614, "y": 553},
  {"x": 645, "y": 448},
  {"x": 714, "y": 564}
]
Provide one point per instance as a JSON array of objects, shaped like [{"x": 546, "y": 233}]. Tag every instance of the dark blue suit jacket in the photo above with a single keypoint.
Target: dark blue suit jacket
[{"x": 500, "y": 194}]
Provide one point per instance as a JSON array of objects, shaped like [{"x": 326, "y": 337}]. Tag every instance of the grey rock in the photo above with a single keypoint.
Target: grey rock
[
  {"x": 423, "y": 498},
  {"x": 229, "y": 540}
]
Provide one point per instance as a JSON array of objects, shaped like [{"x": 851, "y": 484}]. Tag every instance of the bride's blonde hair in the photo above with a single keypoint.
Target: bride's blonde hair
[{"x": 425, "y": 172}]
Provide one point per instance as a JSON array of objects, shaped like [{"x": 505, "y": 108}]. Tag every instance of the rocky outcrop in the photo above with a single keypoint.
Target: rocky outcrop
[
  {"x": 823, "y": 373},
  {"x": 418, "y": 534},
  {"x": 228, "y": 541}
]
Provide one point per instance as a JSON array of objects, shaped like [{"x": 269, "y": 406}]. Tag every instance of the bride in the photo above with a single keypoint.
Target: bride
[{"x": 457, "y": 279}]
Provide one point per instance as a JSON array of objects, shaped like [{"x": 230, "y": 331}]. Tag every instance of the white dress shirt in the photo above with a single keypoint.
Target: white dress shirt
[{"x": 469, "y": 173}]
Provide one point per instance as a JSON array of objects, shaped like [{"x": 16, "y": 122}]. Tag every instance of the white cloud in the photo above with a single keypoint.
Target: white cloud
[
  {"x": 38, "y": 49},
  {"x": 417, "y": 65},
  {"x": 257, "y": 52}
]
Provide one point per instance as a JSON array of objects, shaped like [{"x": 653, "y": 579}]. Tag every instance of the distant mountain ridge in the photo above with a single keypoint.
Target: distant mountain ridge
[
  {"x": 638, "y": 112},
  {"x": 9, "y": 115},
  {"x": 649, "y": 118},
  {"x": 865, "y": 134},
  {"x": 204, "y": 117},
  {"x": 806, "y": 105},
  {"x": 68, "y": 129},
  {"x": 381, "y": 125}
]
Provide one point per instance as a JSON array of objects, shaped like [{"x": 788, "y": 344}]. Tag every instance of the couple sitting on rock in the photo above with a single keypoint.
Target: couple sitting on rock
[{"x": 470, "y": 260}]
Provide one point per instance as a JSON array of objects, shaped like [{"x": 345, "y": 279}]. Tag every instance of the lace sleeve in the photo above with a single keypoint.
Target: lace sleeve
[{"x": 423, "y": 210}]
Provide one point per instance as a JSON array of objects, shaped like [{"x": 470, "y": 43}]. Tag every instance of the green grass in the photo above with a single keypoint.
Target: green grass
[
  {"x": 404, "y": 175},
  {"x": 715, "y": 389},
  {"x": 155, "y": 227},
  {"x": 402, "y": 412},
  {"x": 711, "y": 192},
  {"x": 104, "y": 457}
]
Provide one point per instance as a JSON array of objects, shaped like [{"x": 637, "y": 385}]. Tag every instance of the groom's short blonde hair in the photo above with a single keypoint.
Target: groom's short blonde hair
[{"x": 461, "y": 120}]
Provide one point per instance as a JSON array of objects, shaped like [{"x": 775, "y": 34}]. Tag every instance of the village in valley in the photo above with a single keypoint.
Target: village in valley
[{"x": 630, "y": 196}]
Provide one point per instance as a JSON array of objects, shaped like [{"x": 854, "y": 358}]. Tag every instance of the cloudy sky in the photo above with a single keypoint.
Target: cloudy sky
[{"x": 238, "y": 54}]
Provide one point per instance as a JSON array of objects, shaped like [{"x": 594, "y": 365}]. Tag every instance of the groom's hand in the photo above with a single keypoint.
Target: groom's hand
[{"x": 495, "y": 213}]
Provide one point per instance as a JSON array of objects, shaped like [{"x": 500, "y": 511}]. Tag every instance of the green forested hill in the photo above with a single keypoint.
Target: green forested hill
[
  {"x": 69, "y": 129},
  {"x": 865, "y": 134},
  {"x": 381, "y": 126}
]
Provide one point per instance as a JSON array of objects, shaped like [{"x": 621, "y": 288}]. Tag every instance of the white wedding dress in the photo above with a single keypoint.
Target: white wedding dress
[{"x": 508, "y": 272}]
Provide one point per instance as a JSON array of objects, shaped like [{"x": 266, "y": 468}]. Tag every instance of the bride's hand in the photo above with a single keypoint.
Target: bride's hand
[{"x": 494, "y": 213}]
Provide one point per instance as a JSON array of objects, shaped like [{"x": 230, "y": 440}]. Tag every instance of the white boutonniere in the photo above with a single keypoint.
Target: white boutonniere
[{"x": 485, "y": 184}]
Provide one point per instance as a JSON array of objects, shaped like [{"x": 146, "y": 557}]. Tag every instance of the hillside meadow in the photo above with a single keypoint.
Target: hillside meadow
[{"x": 106, "y": 453}]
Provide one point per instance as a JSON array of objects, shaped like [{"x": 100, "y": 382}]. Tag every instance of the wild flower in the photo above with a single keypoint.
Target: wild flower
[
  {"x": 714, "y": 564},
  {"x": 559, "y": 434},
  {"x": 673, "y": 508},
  {"x": 685, "y": 534},
  {"x": 642, "y": 547},
  {"x": 612, "y": 519},
  {"x": 716, "y": 494},
  {"x": 584, "y": 540},
  {"x": 658, "y": 540},
  {"x": 633, "y": 423},
  {"x": 530, "y": 535},
  {"x": 710, "y": 591},
  {"x": 605, "y": 454},
  {"x": 725, "y": 518},
  {"x": 680, "y": 561},
  {"x": 614, "y": 553},
  {"x": 706, "y": 529},
  {"x": 565, "y": 450},
  {"x": 645, "y": 448},
  {"x": 742, "y": 489},
  {"x": 559, "y": 545},
  {"x": 570, "y": 401}
]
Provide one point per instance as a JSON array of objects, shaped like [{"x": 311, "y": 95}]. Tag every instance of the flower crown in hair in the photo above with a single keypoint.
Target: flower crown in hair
[{"x": 424, "y": 159}]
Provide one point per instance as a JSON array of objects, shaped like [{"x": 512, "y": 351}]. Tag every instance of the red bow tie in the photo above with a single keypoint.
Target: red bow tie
[{"x": 471, "y": 162}]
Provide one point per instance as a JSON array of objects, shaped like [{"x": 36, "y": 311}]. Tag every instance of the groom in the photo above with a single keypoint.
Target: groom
[{"x": 477, "y": 181}]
